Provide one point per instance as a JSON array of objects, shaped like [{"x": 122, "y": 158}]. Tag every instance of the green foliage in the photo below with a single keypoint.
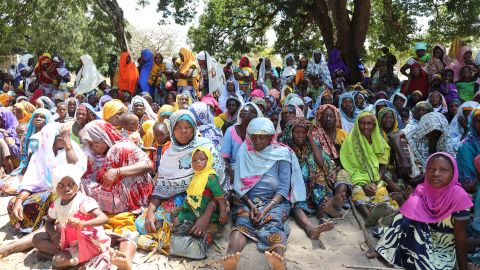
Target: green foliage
[{"x": 69, "y": 28}]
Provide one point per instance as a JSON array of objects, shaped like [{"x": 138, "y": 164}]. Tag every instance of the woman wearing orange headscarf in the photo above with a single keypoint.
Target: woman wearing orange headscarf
[
  {"x": 23, "y": 111},
  {"x": 188, "y": 74},
  {"x": 128, "y": 73}
]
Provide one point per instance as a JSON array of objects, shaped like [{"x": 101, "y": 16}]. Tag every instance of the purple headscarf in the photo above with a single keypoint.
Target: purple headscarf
[
  {"x": 429, "y": 204},
  {"x": 10, "y": 123},
  {"x": 335, "y": 62}
]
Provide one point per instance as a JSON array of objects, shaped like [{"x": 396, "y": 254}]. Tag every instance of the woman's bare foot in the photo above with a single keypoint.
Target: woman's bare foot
[
  {"x": 314, "y": 231},
  {"x": 230, "y": 261},
  {"x": 332, "y": 204},
  {"x": 372, "y": 254},
  {"x": 120, "y": 260},
  {"x": 277, "y": 261}
]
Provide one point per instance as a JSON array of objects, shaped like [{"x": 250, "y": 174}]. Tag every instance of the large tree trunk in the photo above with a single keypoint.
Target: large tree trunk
[
  {"x": 350, "y": 34},
  {"x": 115, "y": 12}
]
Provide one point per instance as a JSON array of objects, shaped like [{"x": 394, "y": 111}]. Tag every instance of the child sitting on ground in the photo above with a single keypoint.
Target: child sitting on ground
[
  {"x": 78, "y": 235},
  {"x": 129, "y": 122},
  {"x": 202, "y": 190}
]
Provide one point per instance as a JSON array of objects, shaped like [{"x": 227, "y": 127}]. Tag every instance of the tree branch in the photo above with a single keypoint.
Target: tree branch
[{"x": 319, "y": 14}]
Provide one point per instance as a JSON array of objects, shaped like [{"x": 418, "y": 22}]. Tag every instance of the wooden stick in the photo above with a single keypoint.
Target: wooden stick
[
  {"x": 369, "y": 267},
  {"x": 361, "y": 223}
]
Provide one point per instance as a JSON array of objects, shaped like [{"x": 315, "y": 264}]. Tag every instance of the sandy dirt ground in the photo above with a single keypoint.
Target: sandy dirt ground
[{"x": 344, "y": 245}]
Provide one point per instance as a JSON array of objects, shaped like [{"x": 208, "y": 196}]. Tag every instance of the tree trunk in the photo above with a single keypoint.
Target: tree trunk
[
  {"x": 350, "y": 34},
  {"x": 115, "y": 12}
]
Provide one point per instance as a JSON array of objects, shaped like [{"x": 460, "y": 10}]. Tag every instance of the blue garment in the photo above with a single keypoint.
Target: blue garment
[
  {"x": 145, "y": 72},
  {"x": 231, "y": 144},
  {"x": 274, "y": 181}
]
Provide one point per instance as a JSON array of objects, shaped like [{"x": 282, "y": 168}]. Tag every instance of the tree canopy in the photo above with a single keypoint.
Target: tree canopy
[
  {"x": 69, "y": 27},
  {"x": 235, "y": 27}
]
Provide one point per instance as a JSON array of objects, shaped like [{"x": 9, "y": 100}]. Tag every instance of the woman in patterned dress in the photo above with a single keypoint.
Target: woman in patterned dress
[
  {"x": 430, "y": 230},
  {"x": 118, "y": 178}
]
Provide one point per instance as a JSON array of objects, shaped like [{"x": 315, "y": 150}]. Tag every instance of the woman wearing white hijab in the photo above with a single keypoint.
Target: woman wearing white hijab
[
  {"x": 88, "y": 77},
  {"x": 289, "y": 70},
  {"x": 317, "y": 67}
]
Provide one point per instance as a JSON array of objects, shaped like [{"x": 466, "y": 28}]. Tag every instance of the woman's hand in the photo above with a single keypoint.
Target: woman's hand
[
  {"x": 110, "y": 177},
  {"x": 370, "y": 189},
  {"x": 260, "y": 215},
  {"x": 65, "y": 134},
  {"x": 150, "y": 220},
  {"x": 75, "y": 222},
  {"x": 200, "y": 227},
  {"x": 17, "y": 211},
  {"x": 254, "y": 213}
]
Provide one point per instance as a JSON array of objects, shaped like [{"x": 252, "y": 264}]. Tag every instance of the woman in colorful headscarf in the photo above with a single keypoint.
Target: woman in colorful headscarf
[
  {"x": 268, "y": 180},
  {"x": 156, "y": 77},
  {"x": 165, "y": 112},
  {"x": 112, "y": 111},
  {"x": 361, "y": 102},
  {"x": 147, "y": 66},
  {"x": 318, "y": 172},
  {"x": 233, "y": 105},
  {"x": 83, "y": 115},
  {"x": 463, "y": 58},
  {"x": 183, "y": 101},
  {"x": 128, "y": 73},
  {"x": 364, "y": 155},
  {"x": 174, "y": 175},
  {"x": 346, "y": 106},
  {"x": 288, "y": 112},
  {"x": 468, "y": 149},
  {"x": 46, "y": 74},
  {"x": 382, "y": 103},
  {"x": 205, "y": 125},
  {"x": 419, "y": 110},
  {"x": 232, "y": 89},
  {"x": 28, "y": 209},
  {"x": 29, "y": 145},
  {"x": 430, "y": 230},
  {"x": 317, "y": 67},
  {"x": 417, "y": 80},
  {"x": 245, "y": 76},
  {"x": 189, "y": 73},
  {"x": 421, "y": 58},
  {"x": 142, "y": 109},
  {"x": 459, "y": 128},
  {"x": 328, "y": 131},
  {"x": 388, "y": 122},
  {"x": 429, "y": 136},
  {"x": 235, "y": 135},
  {"x": 88, "y": 77},
  {"x": 24, "y": 71},
  {"x": 439, "y": 60},
  {"x": 438, "y": 102},
  {"x": 9, "y": 140},
  {"x": 23, "y": 111},
  {"x": 289, "y": 70},
  {"x": 47, "y": 103},
  {"x": 117, "y": 178},
  {"x": 336, "y": 63},
  {"x": 267, "y": 75}
]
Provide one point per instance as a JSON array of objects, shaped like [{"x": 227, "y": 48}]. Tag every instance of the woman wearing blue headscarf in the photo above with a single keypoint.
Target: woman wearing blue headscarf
[
  {"x": 147, "y": 57},
  {"x": 40, "y": 117},
  {"x": 346, "y": 106}
]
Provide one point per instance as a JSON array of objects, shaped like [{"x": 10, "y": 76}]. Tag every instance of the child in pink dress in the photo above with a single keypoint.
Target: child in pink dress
[{"x": 78, "y": 235}]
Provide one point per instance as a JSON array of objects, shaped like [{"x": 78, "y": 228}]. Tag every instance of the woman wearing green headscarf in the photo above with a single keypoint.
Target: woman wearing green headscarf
[{"x": 363, "y": 155}]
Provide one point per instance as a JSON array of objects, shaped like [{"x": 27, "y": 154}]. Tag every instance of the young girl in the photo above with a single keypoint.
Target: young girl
[
  {"x": 78, "y": 235},
  {"x": 430, "y": 230},
  {"x": 203, "y": 187}
]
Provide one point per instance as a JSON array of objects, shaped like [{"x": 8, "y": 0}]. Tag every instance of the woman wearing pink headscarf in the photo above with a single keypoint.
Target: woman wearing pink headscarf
[
  {"x": 430, "y": 230},
  {"x": 464, "y": 58}
]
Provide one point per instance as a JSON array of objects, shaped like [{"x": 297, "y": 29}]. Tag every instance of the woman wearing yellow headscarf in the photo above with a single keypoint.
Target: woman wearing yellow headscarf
[
  {"x": 156, "y": 74},
  {"x": 112, "y": 111},
  {"x": 364, "y": 155},
  {"x": 23, "y": 111},
  {"x": 147, "y": 133},
  {"x": 188, "y": 74},
  {"x": 165, "y": 112},
  {"x": 184, "y": 100}
]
